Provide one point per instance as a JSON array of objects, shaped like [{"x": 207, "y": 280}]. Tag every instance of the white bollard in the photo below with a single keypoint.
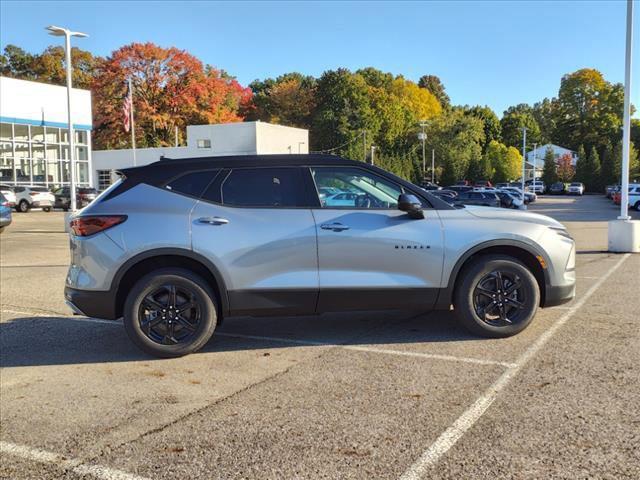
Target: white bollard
[{"x": 624, "y": 236}]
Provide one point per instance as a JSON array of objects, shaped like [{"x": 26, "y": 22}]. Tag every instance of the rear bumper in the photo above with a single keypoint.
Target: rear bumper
[
  {"x": 558, "y": 295},
  {"x": 92, "y": 303}
]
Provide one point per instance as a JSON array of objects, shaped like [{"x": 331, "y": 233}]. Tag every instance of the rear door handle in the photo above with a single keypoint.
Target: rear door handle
[
  {"x": 336, "y": 227},
  {"x": 213, "y": 220}
]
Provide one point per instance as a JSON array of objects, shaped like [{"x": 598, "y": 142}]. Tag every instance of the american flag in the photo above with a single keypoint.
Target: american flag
[{"x": 126, "y": 107}]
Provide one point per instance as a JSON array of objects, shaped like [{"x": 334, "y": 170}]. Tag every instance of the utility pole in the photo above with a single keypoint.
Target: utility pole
[
  {"x": 423, "y": 136},
  {"x": 535, "y": 145},
  {"x": 373, "y": 150},
  {"x": 364, "y": 145},
  {"x": 176, "y": 135},
  {"x": 433, "y": 165},
  {"x": 524, "y": 156}
]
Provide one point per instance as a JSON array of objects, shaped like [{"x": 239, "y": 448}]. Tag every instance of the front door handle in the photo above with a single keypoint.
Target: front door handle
[
  {"x": 336, "y": 227},
  {"x": 213, "y": 220}
]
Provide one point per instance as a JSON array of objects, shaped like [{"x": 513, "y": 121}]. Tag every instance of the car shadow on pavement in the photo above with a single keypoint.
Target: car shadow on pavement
[{"x": 34, "y": 341}]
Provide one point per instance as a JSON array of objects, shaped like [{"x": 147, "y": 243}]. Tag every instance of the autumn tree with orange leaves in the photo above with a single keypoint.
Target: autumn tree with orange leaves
[{"x": 171, "y": 88}]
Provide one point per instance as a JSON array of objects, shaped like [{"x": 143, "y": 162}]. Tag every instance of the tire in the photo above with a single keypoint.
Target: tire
[
  {"x": 23, "y": 206},
  {"x": 159, "y": 336},
  {"x": 482, "y": 274},
  {"x": 46, "y": 209},
  {"x": 637, "y": 206},
  {"x": 65, "y": 209}
]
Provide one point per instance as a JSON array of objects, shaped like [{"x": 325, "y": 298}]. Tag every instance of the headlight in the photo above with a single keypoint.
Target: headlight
[{"x": 562, "y": 232}]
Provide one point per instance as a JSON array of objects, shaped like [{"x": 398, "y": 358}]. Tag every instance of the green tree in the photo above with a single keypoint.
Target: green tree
[
  {"x": 491, "y": 122},
  {"x": 588, "y": 171},
  {"x": 512, "y": 122},
  {"x": 608, "y": 168},
  {"x": 435, "y": 86},
  {"x": 545, "y": 113},
  {"x": 581, "y": 174},
  {"x": 589, "y": 110},
  {"x": 549, "y": 170}
]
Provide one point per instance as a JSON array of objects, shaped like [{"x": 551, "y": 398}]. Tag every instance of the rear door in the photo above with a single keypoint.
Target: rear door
[
  {"x": 256, "y": 227},
  {"x": 371, "y": 255}
]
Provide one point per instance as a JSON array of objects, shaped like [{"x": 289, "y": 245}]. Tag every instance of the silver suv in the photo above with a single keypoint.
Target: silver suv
[{"x": 175, "y": 246}]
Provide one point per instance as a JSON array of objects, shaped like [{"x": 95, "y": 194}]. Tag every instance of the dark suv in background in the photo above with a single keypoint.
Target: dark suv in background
[{"x": 84, "y": 196}]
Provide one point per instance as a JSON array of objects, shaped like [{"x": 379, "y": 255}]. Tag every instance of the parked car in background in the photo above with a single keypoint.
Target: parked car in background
[
  {"x": 557, "y": 188},
  {"x": 575, "y": 188},
  {"x": 447, "y": 195},
  {"x": 84, "y": 196},
  {"x": 509, "y": 200},
  {"x": 459, "y": 188},
  {"x": 634, "y": 196},
  {"x": 483, "y": 183},
  {"x": 9, "y": 195},
  {"x": 344, "y": 199},
  {"x": 610, "y": 190},
  {"x": 175, "y": 247},
  {"x": 484, "y": 199},
  {"x": 430, "y": 186},
  {"x": 529, "y": 197},
  {"x": 33, "y": 197},
  {"x": 502, "y": 185},
  {"x": 538, "y": 187},
  {"x": 5, "y": 213}
]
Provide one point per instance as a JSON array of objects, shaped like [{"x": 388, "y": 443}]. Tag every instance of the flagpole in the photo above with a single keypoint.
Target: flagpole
[{"x": 133, "y": 125}]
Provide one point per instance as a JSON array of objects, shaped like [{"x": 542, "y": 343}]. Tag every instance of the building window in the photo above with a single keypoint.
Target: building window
[
  {"x": 204, "y": 143},
  {"x": 104, "y": 179}
]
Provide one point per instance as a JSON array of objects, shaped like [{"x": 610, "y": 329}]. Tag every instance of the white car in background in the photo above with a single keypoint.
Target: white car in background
[
  {"x": 634, "y": 196},
  {"x": 33, "y": 197},
  {"x": 576, "y": 188},
  {"x": 9, "y": 196}
]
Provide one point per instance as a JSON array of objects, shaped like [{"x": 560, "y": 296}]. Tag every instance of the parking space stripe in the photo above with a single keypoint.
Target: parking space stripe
[
  {"x": 469, "y": 417},
  {"x": 432, "y": 356},
  {"x": 76, "y": 466}
]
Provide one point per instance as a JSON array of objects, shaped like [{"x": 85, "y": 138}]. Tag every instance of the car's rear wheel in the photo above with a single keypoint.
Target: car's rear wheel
[
  {"x": 170, "y": 312},
  {"x": 497, "y": 296},
  {"x": 46, "y": 209}
]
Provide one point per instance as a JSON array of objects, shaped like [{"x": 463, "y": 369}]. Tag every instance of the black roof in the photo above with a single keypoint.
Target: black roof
[
  {"x": 230, "y": 161},
  {"x": 161, "y": 171}
]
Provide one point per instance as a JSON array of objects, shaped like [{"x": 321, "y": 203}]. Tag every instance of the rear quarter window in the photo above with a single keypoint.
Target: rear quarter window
[{"x": 192, "y": 184}]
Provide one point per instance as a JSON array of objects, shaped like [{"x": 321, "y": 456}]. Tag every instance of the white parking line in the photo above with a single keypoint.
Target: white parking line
[
  {"x": 76, "y": 466},
  {"x": 433, "y": 356},
  {"x": 464, "y": 422}
]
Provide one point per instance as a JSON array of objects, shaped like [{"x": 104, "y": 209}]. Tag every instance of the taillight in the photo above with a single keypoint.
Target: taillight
[
  {"x": 33, "y": 194},
  {"x": 85, "y": 226}
]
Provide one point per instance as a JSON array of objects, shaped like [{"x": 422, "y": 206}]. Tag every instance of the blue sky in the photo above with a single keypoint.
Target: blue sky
[{"x": 495, "y": 53}]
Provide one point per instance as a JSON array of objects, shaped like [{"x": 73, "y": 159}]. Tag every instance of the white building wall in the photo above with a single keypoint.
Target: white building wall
[
  {"x": 39, "y": 102},
  {"x": 558, "y": 151},
  {"x": 246, "y": 138}
]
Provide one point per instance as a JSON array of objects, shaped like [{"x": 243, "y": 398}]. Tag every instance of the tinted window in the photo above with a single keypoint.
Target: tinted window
[
  {"x": 264, "y": 187},
  {"x": 192, "y": 184}
]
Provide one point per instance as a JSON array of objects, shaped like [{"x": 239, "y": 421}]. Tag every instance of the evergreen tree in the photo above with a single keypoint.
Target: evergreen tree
[
  {"x": 607, "y": 168},
  {"x": 549, "y": 172},
  {"x": 594, "y": 181},
  {"x": 581, "y": 166}
]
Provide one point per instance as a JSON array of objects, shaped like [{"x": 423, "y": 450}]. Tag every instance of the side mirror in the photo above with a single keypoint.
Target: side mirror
[{"x": 409, "y": 203}]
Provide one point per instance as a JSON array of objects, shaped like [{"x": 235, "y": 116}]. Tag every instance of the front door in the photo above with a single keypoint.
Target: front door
[
  {"x": 370, "y": 254},
  {"x": 253, "y": 225}
]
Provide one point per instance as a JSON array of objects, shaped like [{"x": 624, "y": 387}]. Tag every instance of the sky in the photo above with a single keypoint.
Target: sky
[{"x": 495, "y": 53}]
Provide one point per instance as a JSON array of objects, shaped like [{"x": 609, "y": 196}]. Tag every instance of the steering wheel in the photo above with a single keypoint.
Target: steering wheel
[{"x": 363, "y": 201}]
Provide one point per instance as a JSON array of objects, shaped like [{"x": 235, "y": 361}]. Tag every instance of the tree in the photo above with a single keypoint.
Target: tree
[
  {"x": 582, "y": 163},
  {"x": 565, "y": 169},
  {"x": 512, "y": 122},
  {"x": 491, "y": 122},
  {"x": 589, "y": 110},
  {"x": 287, "y": 100},
  {"x": 435, "y": 86},
  {"x": 505, "y": 162},
  {"x": 608, "y": 167},
  {"x": 513, "y": 164},
  {"x": 171, "y": 89},
  {"x": 549, "y": 173},
  {"x": 457, "y": 140},
  {"x": 546, "y": 115}
]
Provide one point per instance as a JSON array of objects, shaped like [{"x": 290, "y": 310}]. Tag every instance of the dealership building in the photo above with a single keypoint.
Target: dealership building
[{"x": 34, "y": 139}]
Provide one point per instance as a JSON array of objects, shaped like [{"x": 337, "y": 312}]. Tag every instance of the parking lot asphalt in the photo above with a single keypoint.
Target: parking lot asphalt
[{"x": 359, "y": 395}]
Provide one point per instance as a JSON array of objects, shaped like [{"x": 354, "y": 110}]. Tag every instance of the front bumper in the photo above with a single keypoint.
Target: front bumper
[
  {"x": 558, "y": 295},
  {"x": 92, "y": 303}
]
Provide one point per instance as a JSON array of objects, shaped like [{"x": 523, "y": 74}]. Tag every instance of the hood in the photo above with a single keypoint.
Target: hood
[{"x": 512, "y": 215}]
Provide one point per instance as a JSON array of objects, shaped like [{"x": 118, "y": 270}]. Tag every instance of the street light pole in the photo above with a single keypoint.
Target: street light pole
[
  {"x": 433, "y": 165},
  {"x": 59, "y": 32},
  {"x": 373, "y": 150},
  {"x": 423, "y": 137},
  {"x": 524, "y": 156},
  {"x": 535, "y": 145},
  {"x": 626, "y": 118}
]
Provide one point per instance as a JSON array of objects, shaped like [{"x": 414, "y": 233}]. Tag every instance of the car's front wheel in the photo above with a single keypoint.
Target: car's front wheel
[
  {"x": 170, "y": 312},
  {"x": 497, "y": 296},
  {"x": 23, "y": 206}
]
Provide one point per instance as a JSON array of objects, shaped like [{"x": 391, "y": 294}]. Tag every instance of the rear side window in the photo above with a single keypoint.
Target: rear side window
[
  {"x": 264, "y": 187},
  {"x": 192, "y": 184}
]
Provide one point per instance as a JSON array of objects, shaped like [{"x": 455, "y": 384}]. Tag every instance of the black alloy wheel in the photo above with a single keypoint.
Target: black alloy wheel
[
  {"x": 170, "y": 315},
  {"x": 170, "y": 312},
  {"x": 499, "y": 298}
]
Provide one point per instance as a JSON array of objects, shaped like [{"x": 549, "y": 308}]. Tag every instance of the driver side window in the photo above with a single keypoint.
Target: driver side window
[{"x": 354, "y": 188}]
